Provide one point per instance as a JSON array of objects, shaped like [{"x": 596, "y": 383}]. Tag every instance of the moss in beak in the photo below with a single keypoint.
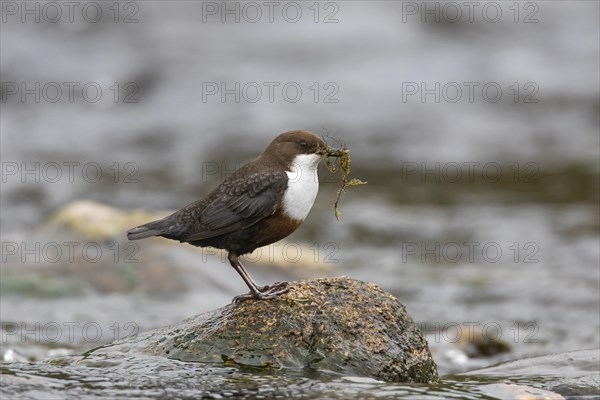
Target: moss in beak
[
  {"x": 333, "y": 152},
  {"x": 342, "y": 163}
]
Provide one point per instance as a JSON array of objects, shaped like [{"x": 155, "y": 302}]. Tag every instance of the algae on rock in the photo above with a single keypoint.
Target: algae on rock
[{"x": 335, "y": 324}]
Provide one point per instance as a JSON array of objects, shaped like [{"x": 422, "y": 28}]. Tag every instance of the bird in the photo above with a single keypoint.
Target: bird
[{"x": 261, "y": 203}]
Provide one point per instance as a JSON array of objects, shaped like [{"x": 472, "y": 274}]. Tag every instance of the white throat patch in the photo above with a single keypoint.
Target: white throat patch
[{"x": 303, "y": 185}]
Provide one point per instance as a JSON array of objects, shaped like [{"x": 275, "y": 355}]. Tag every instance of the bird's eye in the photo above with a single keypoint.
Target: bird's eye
[{"x": 303, "y": 144}]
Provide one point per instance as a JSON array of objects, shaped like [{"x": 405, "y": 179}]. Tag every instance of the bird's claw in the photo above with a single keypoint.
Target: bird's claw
[{"x": 265, "y": 292}]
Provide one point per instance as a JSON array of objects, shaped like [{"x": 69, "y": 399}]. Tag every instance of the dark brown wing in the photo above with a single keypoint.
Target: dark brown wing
[{"x": 238, "y": 203}]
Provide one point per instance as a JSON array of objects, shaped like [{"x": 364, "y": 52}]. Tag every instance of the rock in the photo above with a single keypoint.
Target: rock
[
  {"x": 572, "y": 375},
  {"x": 335, "y": 324},
  {"x": 478, "y": 344},
  {"x": 511, "y": 391},
  {"x": 95, "y": 220}
]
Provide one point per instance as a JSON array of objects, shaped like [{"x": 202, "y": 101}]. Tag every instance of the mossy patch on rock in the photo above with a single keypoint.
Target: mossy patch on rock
[{"x": 335, "y": 324}]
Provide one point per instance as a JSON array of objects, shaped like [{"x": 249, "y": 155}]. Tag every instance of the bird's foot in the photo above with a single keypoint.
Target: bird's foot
[
  {"x": 275, "y": 287},
  {"x": 265, "y": 292}
]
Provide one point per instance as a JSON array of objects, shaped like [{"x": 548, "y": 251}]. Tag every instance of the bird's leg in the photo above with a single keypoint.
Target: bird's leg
[
  {"x": 260, "y": 293},
  {"x": 237, "y": 265},
  {"x": 245, "y": 275}
]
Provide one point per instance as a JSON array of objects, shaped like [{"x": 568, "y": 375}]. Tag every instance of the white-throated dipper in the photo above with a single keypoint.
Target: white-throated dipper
[{"x": 261, "y": 203}]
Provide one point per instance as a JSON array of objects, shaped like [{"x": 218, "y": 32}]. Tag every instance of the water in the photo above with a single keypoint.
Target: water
[
  {"x": 515, "y": 254},
  {"x": 155, "y": 377}
]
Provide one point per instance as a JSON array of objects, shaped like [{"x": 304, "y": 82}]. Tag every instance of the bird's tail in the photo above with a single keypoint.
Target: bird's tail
[{"x": 154, "y": 228}]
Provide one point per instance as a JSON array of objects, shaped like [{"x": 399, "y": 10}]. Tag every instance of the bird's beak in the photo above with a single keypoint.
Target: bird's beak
[{"x": 332, "y": 152}]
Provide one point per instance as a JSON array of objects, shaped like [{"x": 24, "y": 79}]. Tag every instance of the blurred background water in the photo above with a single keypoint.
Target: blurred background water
[{"x": 477, "y": 127}]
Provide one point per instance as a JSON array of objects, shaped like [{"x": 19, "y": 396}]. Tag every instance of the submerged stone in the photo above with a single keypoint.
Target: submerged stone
[{"x": 335, "y": 324}]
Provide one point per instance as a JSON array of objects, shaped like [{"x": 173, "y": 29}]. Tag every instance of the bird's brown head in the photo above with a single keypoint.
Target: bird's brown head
[{"x": 288, "y": 145}]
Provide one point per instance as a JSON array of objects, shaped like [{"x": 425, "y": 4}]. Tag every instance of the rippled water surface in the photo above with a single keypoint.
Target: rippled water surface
[{"x": 157, "y": 377}]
